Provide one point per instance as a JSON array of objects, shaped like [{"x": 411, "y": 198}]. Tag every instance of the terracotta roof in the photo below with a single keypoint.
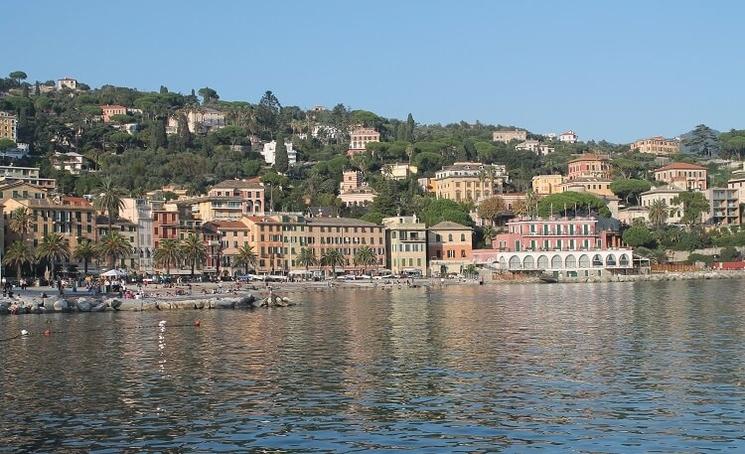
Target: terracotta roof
[
  {"x": 238, "y": 184},
  {"x": 681, "y": 166},
  {"x": 448, "y": 225},
  {"x": 112, "y": 106},
  {"x": 227, "y": 224},
  {"x": 75, "y": 201},
  {"x": 589, "y": 157}
]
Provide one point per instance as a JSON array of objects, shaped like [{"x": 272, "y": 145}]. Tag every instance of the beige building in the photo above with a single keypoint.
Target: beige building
[
  {"x": 72, "y": 162},
  {"x": 629, "y": 215},
  {"x": 468, "y": 181},
  {"x": 28, "y": 174},
  {"x": 361, "y": 196},
  {"x": 568, "y": 137},
  {"x": 508, "y": 135},
  {"x": 737, "y": 181},
  {"x": 8, "y": 126},
  {"x": 547, "y": 184},
  {"x": 67, "y": 83},
  {"x": 21, "y": 190},
  {"x": 398, "y": 171},
  {"x": 724, "y": 206},
  {"x": 72, "y": 217},
  {"x": 109, "y": 110},
  {"x": 359, "y": 138},
  {"x": 597, "y": 186},
  {"x": 200, "y": 120},
  {"x": 589, "y": 173},
  {"x": 667, "y": 194},
  {"x": 535, "y": 146},
  {"x": 657, "y": 145},
  {"x": 406, "y": 245},
  {"x": 683, "y": 175}
]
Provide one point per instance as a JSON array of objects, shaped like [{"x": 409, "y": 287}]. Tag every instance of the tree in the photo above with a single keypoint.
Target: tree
[
  {"x": 194, "y": 251},
  {"x": 17, "y": 255},
  {"x": 572, "y": 204},
  {"x": 307, "y": 257},
  {"x": 433, "y": 211},
  {"x": 490, "y": 209},
  {"x": 86, "y": 251},
  {"x": 18, "y": 76},
  {"x": 489, "y": 233},
  {"x": 365, "y": 257},
  {"x": 6, "y": 144},
  {"x": 410, "y": 128},
  {"x": 729, "y": 254},
  {"x": 630, "y": 189},
  {"x": 333, "y": 258},
  {"x": 115, "y": 246},
  {"x": 53, "y": 248},
  {"x": 281, "y": 160},
  {"x": 694, "y": 205},
  {"x": 658, "y": 213},
  {"x": 267, "y": 113},
  {"x": 168, "y": 253},
  {"x": 246, "y": 257},
  {"x": 20, "y": 222},
  {"x": 208, "y": 95},
  {"x": 639, "y": 235},
  {"x": 109, "y": 200}
]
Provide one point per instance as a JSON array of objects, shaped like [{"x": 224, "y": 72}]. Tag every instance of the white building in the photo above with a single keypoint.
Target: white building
[
  {"x": 200, "y": 120},
  {"x": 72, "y": 162},
  {"x": 398, "y": 171},
  {"x": 666, "y": 194},
  {"x": 140, "y": 212},
  {"x": 269, "y": 152},
  {"x": 568, "y": 137},
  {"x": 535, "y": 146},
  {"x": 67, "y": 83},
  {"x": 562, "y": 263}
]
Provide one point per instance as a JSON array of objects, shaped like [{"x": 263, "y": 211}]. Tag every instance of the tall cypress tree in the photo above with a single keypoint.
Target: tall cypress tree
[
  {"x": 281, "y": 160},
  {"x": 410, "y": 128}
]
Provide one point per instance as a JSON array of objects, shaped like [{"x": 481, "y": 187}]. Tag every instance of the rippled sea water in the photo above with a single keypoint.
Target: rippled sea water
[{"x": 604, "y": 368}]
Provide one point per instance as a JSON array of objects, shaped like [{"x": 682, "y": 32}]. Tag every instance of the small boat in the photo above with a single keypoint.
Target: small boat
[{"x": 548, "y": 278}]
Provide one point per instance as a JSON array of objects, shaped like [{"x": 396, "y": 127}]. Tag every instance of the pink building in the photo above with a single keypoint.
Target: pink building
[
  {"x": 556, "y": 234},
  {"x": 109, "y": 110}
]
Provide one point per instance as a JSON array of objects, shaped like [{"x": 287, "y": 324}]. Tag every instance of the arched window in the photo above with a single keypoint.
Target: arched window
[
  {"x": 610, "y": 260},
  {"x": 556, "y": 262},
  {"x": 571, "y": 262},
  {"x": 463, "y": 237},
  {"x": 584, "y": 261},
  {"x": 450, "y": 237},
  {"x": 624, "y": 260},
  {"x": 515, "y": 263},
  {"x": 502, "y": 263},
  {"x": 529, "y": 262},
  {"x": 597, "y": 261},
  {"x": 542, "y": 262}
]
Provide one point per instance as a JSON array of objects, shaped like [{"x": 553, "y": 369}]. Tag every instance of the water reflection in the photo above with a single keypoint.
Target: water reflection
[{"x": 609, "y": 367}]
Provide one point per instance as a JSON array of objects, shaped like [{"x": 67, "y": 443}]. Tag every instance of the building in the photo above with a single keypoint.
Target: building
[
  {"x": 657, "y": 145},
  {"x": 269, "y": 153},
  {"x": 724, "y": 206},
  {"x": 547, "y": 184},
  {"x": 359, "y": 138},
  {"x": 351, "y": 179},
  {"x": 737, "y": 181},
  {"x": 398, "y": 171},
  {"x": 66, "y": 83},
  {"x": 406, "y": 245},
  {"x": 597, "y": 186},
  {"x": 27, "y": 174},
  {"x": 589, "y": 173},
  {"x": 468, "y": 181},
  {"x": 72, "y": 162},
  {"x": 666, "y": 194},
  {"x": 535, "y": 146},
  {"x": 556, "y": 234},
  {"x": 72, "y": 217},
  {"x": 227, "y": 200},
  {"x": 683, "y": 175},
  {"x": 360, "y": 196},
  {"x": 109, "y": 110},
  {"x": 126, "y": 229},
  {"x": 568, "y": 137},
  {"x": 225, "y": 240},
  {"x": 199, "y": 120},
  {"x": 21, "y": 190},
  {"x": 628, "y": 215},
  {"x": 508, "y": 135},
  {"x": 450, "y": 248},
  {"x": 8, "y": 126},
  {"x": 139, "y": 212}
]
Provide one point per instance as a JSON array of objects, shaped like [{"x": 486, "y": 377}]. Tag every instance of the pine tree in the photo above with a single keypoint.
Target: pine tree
[
  {"x": 281, "y": 160},
  {"x": 410, "y": 128}
]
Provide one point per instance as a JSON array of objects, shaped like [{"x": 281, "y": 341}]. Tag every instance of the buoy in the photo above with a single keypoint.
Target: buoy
[
  {"x": 24, "y": 332},
  {"x": 197, "y": 323},
  {"x": 47, "y": 332},
  {"x": 162, "y": 323}
]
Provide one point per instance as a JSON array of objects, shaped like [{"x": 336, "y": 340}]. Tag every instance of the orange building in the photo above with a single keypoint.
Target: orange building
[
  {"x": 450, "y": 247},
  {"x": 109, "y": 110},
  {"x": 589, "y": 165},
  {"x": 683, "y": 175}
]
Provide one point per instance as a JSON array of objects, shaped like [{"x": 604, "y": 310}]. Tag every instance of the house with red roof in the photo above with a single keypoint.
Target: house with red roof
[{"x": 683, "y": 175}]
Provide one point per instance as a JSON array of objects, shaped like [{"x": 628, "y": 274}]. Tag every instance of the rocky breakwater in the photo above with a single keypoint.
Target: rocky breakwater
[
  {"x": 659, "y": 277},
  {"x": 31, "y": 305}
]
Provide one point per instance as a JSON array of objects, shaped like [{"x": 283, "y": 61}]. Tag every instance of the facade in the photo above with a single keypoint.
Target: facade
[
  {"x": 535, "y": 146},
  {"x": 128, "y": 230},
  {"x": 109, "y": 110},
  {"x": 72, "y": 217},
  {"x": 199, "y": 120},
  {"x": 72, "y": 162},
  {"x": 509, "y": 135},
  {"x": 683, "y": 175},
  {"x": 547, "y": 184},
  {"x": 226, "y": 238},
  {"x": 21, "y": 190},
  {"x": 469, "y": 181},
  {"x": 724, "y": 206},
  {"x": 737, "y": 181},
  {"x": 589, "y": 173},
  {"x": 449, "y": 247},
  {"x": 398, "y": 171},
  {"x": 351, "y": 179},
  {"x": 597, "y": 186},
  {"x": 657, "y": 145},
  {"x": 560, "y": 263},
  {"x": 359, "y": 138},
  {"x": 361, "y": 196},
  {"x": 269, "y": 153},
  {"x": 27, "y": 174},
  {"x": 568, "y": 137},
  {"x": 8, "y": 126},
  {"x": 406, "y": 245},
  {"x": 628, "y": 215},
  {"x": 140, "y": 213},
  {"x": 66, "y": 83},
  {"x": 666, "y": 194}
]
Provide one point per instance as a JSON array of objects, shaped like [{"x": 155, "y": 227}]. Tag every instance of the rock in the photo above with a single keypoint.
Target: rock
[
  {"x": 4, "y": 308},
  {"x": 34, "y": 308},
  {"x": 114, "y": 303},
  {"x": 130, "y": 306},
  {"x": 199, "y": 304},
  {"x": 100, "y": 307},
  {"x": 248, "y": 301},
  {"x": 225, "y": 303},
  {"x": 61, "y": 305},
  {"x": 149, "y": 306},
  {"x": 83, "y": 305}
]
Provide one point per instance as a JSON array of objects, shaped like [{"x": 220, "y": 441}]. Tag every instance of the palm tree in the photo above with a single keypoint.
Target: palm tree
[
  {"x": 20, "y": 221},
  {"x": 658, "y": 213},
  {"x": 115, "y": 245},
  {"x": 365, "y": 257},
  {"x": 194, "y": 251},
  {"x": 333, "y": 258},
  {"x": 307, "y": 257},
  {"x": 167, "y": 254},
  {"x": 489, "y": 233},
  {"x": 17, "y": 255},
  {"x": 246, "y": 257},
  {"x": 85, "y": 251},
  {"x": 109, "y": 200},
  {"x": 53, "y": 248}
]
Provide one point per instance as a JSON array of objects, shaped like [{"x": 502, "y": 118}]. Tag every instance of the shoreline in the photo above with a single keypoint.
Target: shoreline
[{"x": 253, "y": 297}]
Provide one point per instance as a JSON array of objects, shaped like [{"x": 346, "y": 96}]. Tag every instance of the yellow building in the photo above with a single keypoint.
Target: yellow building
[
  {"x": 657, "y": 145},
  {"x": 406, "y": 244},
  {"x": 509, "y": 135},
  {"x": 8, "y": 126},
  {"x": 547, "y": 184},
  {"x": 469, "y": 181}
]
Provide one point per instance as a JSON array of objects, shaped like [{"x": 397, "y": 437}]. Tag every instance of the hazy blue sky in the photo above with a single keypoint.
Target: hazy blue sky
[{"x": 616, "y": 70}]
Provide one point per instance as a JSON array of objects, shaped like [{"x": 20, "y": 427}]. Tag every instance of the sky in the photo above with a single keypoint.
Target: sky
[{"x": 617, "y": 71}]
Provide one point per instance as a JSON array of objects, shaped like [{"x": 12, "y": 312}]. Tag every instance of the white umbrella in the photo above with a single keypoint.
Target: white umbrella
[{"x": 114, "y": 273}]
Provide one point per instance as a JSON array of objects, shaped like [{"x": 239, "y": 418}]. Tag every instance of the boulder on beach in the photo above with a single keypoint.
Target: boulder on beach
[
  {"x": 246, "y": 301},
  {"x": 149, "y": 306},
  {"x": 100, "y": 307},
  {"x": 114, "y": 303},
  {"x": 276, "y": 301},
  {"x": 61, "y": 305},
  {"x": 83, "y": 305},
  {"x": 129, "y": 305},
  {"x": 4, "y": 308}
]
